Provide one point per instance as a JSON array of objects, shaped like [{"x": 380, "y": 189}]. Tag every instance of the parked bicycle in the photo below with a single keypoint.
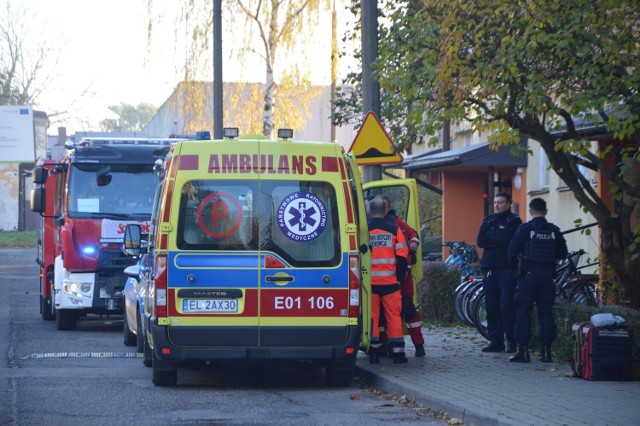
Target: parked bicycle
[
  {"x": 571, "y": 285},
  {"x": 464, "y": 256}
]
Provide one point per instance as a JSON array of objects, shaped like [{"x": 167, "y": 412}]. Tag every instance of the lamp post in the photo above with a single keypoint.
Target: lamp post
[{"x": 370, "y": 86}]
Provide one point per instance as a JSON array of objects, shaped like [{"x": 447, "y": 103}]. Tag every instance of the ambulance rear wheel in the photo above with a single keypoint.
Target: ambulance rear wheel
[
  {"x": 66, "y": 319},
  {"x": 163, "y": 376},
  {"x": 340, "y": 374},
  {"x": 147, "y": 360}
]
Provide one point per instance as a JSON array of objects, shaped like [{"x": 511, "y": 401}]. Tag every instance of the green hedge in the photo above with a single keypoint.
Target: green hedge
[{"x": 435, "y": 292}]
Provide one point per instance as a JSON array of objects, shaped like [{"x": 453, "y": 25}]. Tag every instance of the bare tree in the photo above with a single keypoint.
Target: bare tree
[{"x": 24, "y": 61}]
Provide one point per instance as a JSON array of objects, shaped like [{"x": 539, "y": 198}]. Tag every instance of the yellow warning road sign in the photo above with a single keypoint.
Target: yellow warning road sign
[{"x": 373, "y": 145}]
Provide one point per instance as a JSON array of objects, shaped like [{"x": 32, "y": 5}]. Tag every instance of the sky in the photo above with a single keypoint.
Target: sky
[
  {"x": 102, "y": 49},
  {"x": 104, "y": 58}
]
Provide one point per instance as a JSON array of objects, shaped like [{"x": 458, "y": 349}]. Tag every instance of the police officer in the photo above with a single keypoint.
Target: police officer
[
  {"x": 389, "y": 254},
  {"x": 499, "y": 281},
  {"x": 409, "y": 313},
  {"x": 535, "y": 247}
]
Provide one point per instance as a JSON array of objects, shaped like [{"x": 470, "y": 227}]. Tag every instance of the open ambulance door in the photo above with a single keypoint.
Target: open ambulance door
[
  {"x": 362, "y": 231},
  {"x": 404, "y": 200}
]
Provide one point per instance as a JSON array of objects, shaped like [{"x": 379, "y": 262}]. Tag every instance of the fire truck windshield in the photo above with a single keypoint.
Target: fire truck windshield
[{"x": 124, "y": 190}]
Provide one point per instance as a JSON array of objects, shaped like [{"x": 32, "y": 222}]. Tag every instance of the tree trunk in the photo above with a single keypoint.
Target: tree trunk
[{"x": 269, "y": 105}]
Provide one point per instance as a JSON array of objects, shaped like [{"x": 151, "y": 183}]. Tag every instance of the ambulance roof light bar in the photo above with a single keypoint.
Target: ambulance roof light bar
[
  {"x": 230, "y": 132},
  {"x": 285, "y": 134}
]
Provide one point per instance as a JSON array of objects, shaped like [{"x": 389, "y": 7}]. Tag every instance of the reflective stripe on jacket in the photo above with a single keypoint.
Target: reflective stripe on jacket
[{"x": 389, "y": 252}]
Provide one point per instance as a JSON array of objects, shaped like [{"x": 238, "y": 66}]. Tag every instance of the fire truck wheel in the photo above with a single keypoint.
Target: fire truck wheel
[
  {"x": 66, "y": 319},
  {"x": 45, "y": 309},
  {"x": 340, "y": 374},
  {"x": 129, "y": 337}
]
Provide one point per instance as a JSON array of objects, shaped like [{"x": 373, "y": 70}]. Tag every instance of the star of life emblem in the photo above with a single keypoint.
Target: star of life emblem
[{"x": 302, "y": 216}]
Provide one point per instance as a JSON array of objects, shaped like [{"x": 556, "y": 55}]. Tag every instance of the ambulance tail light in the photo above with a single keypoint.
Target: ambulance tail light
[
  {"x": 161, "y": 286},
  {"x": 354, "y": 286}
]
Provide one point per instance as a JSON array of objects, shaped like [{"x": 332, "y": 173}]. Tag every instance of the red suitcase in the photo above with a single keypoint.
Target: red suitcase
[{"x": 603, "y": 353}]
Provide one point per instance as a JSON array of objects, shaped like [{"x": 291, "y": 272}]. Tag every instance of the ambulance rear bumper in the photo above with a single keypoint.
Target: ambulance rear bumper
[{"x": 288, "y": 347}]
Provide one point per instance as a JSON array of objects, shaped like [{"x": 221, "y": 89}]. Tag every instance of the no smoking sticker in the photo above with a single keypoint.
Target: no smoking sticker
[
  {"x": 219, "y": 215},
  {"x": 302, "y": 216}
]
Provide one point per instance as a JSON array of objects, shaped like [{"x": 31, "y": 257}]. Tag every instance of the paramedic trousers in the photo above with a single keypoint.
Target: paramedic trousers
[
  {"x": 389, "y": 299},
  {"x": 535, "y": 286},
  {"x": 412, "y": 319},
  {"x": 499, "y": 286},
  {"x": 409, "y": 314}
]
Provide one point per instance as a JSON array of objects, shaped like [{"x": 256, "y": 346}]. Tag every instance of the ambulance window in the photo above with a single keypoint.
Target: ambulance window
[
  {"x": 300, "y": 222},
  {"x": 216, "y": 215}
]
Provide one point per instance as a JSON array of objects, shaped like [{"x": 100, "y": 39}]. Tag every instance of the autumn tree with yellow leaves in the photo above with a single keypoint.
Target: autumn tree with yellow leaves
[{"x": 272, "y": 30}]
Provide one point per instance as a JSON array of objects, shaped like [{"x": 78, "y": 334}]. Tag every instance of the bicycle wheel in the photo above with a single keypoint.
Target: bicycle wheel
[
  {"x": 459, "y": 300},
  {"x": 481, "y": 316},
  {"x": 585, "y": 293},
  {"x": 466, "y": 303},
  {"x": 477, "y": 294}
]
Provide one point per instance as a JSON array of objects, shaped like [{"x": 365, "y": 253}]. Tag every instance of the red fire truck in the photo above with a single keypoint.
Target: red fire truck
[{"x": 85, "y": 200}]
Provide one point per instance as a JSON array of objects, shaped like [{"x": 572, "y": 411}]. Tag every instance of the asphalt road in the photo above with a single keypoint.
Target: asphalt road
[{"x": 87, "y": 376}]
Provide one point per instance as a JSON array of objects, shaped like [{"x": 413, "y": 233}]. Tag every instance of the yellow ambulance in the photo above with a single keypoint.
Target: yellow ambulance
[{"x": 258, "y": 252}]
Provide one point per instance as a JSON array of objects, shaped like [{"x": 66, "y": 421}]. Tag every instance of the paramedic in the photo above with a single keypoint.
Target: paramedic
[
  {"x": 389, "y": 254},
  {"x": 409, "y": 313},
  {"x": 499, "y": 279},
  {"x": 534, "y": 249}
]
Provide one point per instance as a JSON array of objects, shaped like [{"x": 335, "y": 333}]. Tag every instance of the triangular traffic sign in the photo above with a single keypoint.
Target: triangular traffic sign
[{"x": 372, "y": 144}]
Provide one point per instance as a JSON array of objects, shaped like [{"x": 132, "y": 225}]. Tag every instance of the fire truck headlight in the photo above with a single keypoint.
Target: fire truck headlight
[
  {"x": 89, "y": 250},
  {"x": 74, "y": 288},
  {"x": 85, "y": 287}
]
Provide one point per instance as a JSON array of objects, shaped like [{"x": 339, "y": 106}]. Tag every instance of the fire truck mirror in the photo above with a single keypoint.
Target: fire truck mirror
[
  {"x": 38, "y": 200},
  {"x": 132, "y": 240},
  {"x": 39, "y": 175}
]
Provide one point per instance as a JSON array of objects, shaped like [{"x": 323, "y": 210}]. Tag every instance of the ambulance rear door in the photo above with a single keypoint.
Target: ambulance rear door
[
  {"x": 305, "y": 248},
  {"x": 404, "y": 200},
  {"x": 355, "y": 183}
]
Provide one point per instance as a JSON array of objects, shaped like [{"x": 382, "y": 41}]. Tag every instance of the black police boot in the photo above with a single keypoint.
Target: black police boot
[
  {"x": 420, "y": 351},
  {"x": 545, "y": 353},
  {"x": 374, "y": 356},
  {"x": 399, "y": 358},
  {"x": 494, "y": 347},
  {"x": 511, "y": 347},
  {"x": 522, "y": 355}
]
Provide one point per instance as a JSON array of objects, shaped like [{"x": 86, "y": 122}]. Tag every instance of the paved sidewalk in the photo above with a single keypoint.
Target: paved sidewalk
[{"x": 485, "y": 389}]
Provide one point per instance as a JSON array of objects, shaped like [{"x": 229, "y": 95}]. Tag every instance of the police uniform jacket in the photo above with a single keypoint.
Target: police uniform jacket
[
  {"x": 517, "y": 247},
  {"x": 495, "y": 234}
]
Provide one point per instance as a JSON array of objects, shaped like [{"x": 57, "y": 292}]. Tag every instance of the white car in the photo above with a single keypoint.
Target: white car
[{"x": 133, "y": 329}]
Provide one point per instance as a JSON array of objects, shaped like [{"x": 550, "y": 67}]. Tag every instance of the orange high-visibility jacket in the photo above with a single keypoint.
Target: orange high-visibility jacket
[{"x": 389, "y": 253}]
